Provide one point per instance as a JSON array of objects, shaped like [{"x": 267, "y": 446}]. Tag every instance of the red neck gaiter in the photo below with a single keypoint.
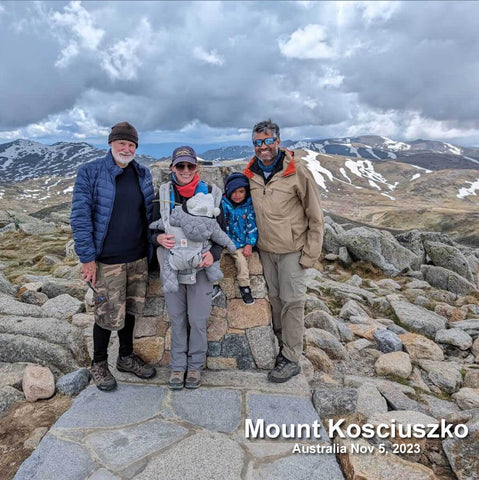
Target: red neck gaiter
[{"x": 188, "y": 190}]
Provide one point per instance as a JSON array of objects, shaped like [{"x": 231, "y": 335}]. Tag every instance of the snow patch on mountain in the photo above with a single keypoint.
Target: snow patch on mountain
[
  {"x": 365, "y": 169},
  {"x": 322, "y": 174},
  {"x": 53, "y": 184},
  {"x": 7, "y": 163},
  {"x": 307, "y": 145},
  {"x": 453, "y": 149},
  {"x": 471, "y": 159},
  {"x": 317, "y": 170},
  {"x": 371, "y": 152},
  {"x": 422, "y": 168},
  {"x": 395, "y": 146},
  {"x": 465, "y": 192},
  {"x": 416, "y": 175},
  {"x": 344, "y": 174},
  {"x": 388, "y": 195},
  {"x": 353, "y": 150}
]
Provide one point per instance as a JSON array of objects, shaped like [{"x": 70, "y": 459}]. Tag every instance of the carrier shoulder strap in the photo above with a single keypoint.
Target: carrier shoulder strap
[
  {"x": 217, "y": 194},
  {"x": 164, "y": 197}
]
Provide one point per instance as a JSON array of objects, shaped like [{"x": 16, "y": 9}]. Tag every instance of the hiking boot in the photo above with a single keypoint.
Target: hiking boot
[
  {"x": 246, "y": 295},
  {"x": 134, "y": 364},
  {"x": 285, "y": 370},
  {"x": 176, "y": 380},
  {"x": 193, "y": 379},
  {"x": 279, "y": 359},
  {"x": 102, "y": 376}
]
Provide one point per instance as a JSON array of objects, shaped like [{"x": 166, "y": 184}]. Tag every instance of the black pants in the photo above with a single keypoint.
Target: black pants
[{"x": 101, "y": 339}]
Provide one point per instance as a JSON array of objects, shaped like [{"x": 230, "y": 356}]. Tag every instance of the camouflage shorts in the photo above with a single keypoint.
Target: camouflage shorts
[{"x": 120, "y": 289}]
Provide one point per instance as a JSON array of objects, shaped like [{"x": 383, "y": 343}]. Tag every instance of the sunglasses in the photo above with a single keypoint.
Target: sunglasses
[
  {"x": 267, "y": 141},
  {"x": 182, "y": 166}
]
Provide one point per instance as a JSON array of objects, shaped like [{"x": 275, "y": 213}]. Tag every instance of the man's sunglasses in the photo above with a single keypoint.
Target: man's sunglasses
[
  {"x": 267, "y": 141},
  {"x": 189, "y": 166}
]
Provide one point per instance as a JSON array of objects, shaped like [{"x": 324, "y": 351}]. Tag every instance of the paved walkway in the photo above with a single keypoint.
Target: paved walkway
[{"x": 144, "y": 431}]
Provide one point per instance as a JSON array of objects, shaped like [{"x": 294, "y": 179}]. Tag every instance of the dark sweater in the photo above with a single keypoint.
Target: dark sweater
[{"x": 126, "y": 239}]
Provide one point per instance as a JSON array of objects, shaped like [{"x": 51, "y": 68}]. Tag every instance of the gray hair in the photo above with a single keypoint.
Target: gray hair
[{"x": 266, "y": 126}]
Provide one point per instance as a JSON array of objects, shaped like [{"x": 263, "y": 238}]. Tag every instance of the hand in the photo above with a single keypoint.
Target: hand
[
  {"x": 207, "y": 260},
  {"x": 166, "y": 240},
  {"x": 247, "y": 250},
  {"x": 88, "y": 272}
]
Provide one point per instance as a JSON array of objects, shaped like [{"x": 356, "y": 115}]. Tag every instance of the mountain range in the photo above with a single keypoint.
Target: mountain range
[
  {"x": 429, "y": 154},
  {"x": 22, "y": 160},
  {"x": 372, "y": 180}
]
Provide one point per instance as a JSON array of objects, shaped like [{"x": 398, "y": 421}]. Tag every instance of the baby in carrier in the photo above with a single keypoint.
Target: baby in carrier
[{"x": 194, "y": 227}]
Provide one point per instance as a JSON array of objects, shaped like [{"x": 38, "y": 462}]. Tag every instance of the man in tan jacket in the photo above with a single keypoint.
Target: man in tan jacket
[{"x": 290, "y": 236}]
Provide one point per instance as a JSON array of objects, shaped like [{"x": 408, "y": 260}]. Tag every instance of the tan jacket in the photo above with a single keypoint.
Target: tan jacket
[{"x": 288, "y": 210}]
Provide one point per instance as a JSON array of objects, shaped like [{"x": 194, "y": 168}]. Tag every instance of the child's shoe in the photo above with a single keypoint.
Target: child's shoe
[{"x": 246, "y": 295}]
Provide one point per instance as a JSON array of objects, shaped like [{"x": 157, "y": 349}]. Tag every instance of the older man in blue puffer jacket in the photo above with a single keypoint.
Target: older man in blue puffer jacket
[{"x": 111, "y": 211}]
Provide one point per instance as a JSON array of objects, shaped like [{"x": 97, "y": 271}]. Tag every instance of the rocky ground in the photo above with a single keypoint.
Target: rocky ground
[
  {"x": 23, "y": 426},
  {"x": 392, "y": 327}
]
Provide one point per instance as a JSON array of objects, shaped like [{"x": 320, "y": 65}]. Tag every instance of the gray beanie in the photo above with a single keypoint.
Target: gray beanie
[{"x": 123, "y": 131}]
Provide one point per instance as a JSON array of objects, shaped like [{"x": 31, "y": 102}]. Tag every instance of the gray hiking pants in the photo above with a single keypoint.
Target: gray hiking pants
[
  {"x": 286, "y": 288},
  {"x": 189, "y": 306}
]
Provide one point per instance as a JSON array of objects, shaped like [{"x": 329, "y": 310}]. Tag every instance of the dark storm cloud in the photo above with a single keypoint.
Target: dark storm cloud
[
  {"x": 28, "y": 92},
  {"x": 423, "y": 58},
  {"x": 77, "y": 67}
]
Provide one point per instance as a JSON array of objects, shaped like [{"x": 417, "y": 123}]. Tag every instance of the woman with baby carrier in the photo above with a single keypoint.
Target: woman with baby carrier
[{"x": 189, "y": 307}]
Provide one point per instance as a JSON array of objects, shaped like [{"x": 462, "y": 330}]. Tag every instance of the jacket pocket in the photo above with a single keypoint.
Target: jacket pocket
[{"x": 280, "y": 200}]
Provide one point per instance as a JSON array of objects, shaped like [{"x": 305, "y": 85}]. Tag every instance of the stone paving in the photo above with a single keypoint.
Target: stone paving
[{"x": 144, "y": 431}]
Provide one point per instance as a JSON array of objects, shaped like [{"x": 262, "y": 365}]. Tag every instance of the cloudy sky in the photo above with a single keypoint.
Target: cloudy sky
[{"x": 207, "y": 71}]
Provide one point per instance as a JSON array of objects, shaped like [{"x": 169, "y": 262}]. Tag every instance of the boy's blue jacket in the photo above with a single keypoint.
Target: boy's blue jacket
[
  {"x": 92, "y": 204},
  {"x": 240, "y": 222}
]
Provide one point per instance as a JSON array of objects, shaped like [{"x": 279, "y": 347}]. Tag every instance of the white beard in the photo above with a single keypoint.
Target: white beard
[{"x": 123, "y": 159}]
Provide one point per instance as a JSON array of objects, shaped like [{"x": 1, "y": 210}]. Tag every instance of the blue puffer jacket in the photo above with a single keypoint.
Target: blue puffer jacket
[
  {"x": 240, "y": 222},
  {"x": 92, "y": 204}
]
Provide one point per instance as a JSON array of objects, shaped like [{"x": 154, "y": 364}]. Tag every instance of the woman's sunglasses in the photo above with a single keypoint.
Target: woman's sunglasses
[
  {"x": 267, "y": 141},
  {"x": 189, "y": 166}
]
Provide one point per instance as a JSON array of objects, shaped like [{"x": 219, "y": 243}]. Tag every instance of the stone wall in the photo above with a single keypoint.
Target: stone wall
[{"x": 239, "y": 336}]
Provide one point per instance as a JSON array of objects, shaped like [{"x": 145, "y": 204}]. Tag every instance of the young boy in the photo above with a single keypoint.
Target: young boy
[{"x": 240, "y": 227}]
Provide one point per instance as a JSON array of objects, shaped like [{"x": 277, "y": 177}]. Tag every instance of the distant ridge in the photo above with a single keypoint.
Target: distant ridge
[
  {"x": 430, "y": 154},
  {"x": 23, "y": 160}
]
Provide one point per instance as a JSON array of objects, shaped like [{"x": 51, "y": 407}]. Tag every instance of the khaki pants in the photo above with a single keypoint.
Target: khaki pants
[
  {"x": 287, "y": 288},
  {"x": 242, "y": 270},
  {"x": 120, "y": 289}
]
